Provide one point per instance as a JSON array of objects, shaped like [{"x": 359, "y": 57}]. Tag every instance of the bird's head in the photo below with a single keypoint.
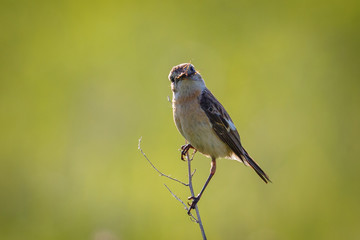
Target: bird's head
[{"x": 184, "y": 78}]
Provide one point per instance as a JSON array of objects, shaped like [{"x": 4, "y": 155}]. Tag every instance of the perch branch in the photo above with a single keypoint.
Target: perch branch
[{"x": 193, "y": 194}]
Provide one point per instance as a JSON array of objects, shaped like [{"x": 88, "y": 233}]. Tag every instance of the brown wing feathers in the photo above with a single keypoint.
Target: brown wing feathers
[{"x": 217, "y": 114}]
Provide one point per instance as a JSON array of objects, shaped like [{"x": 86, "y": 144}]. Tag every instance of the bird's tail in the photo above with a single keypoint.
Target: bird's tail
[{"x": 248, "y": 160}]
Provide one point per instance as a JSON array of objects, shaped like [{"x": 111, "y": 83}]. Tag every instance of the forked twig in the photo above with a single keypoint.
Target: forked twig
[{"x": 190, "y": 185}]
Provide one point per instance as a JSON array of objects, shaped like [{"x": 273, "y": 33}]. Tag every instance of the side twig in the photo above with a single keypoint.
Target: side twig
[
  {"x": 161, "y": 174},
  {"x": 177, "y": 198}
]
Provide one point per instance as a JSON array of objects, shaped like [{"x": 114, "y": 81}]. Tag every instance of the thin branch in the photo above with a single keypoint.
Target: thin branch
[
  {"x": 193, "y": 195},
  {"x": 161, "y": 174},
  {"x": 177, "y": 198}
]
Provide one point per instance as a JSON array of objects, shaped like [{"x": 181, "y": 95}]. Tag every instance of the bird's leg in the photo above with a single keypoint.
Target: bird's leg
[
  {"x": 197, "y": 198},
  {"x": 184, "y": 150}
]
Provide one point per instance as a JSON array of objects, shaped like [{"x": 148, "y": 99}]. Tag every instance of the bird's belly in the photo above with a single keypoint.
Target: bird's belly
[
  {"x": 203, "y": 138},
  {"x": 197, "y": 130}
]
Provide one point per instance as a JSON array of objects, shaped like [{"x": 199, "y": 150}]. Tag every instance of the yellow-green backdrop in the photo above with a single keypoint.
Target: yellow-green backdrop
[{"x": 82, "y": 81}]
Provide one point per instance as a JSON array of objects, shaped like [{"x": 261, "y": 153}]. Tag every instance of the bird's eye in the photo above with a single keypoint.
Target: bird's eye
[
  {"x": 172, "y": 79},
  {"x": 192, "y": 69}
]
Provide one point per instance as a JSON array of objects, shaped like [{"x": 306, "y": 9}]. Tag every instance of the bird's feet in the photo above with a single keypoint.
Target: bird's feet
[
  {"x": 185, "y": 149},
  {"x": 195, "y": 200}
]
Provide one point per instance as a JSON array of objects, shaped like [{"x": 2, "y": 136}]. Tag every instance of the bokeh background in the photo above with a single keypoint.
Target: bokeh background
[{"x": 82, "y": 81}]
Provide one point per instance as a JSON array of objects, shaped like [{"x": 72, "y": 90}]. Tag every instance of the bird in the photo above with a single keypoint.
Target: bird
[{"x": 204, "y": 123}]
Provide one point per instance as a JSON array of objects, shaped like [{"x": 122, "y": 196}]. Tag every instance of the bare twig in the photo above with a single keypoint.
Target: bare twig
[
  {"x": 190, "y": 185},
  {"x": 161, "y": 174}
]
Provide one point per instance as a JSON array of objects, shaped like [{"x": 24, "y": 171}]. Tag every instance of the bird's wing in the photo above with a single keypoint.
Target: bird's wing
[{"x": 225, "y": 129}]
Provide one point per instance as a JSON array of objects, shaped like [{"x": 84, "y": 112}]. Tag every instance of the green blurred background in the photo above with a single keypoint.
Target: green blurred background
[{"x": 81, "y": 81}]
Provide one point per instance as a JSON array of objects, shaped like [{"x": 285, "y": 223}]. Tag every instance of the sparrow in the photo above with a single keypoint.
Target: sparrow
[{"x": 204, "y": 123}]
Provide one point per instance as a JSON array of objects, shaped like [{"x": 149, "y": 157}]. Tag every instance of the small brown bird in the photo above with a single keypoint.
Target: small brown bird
[{"x": 204, "y": 123}]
